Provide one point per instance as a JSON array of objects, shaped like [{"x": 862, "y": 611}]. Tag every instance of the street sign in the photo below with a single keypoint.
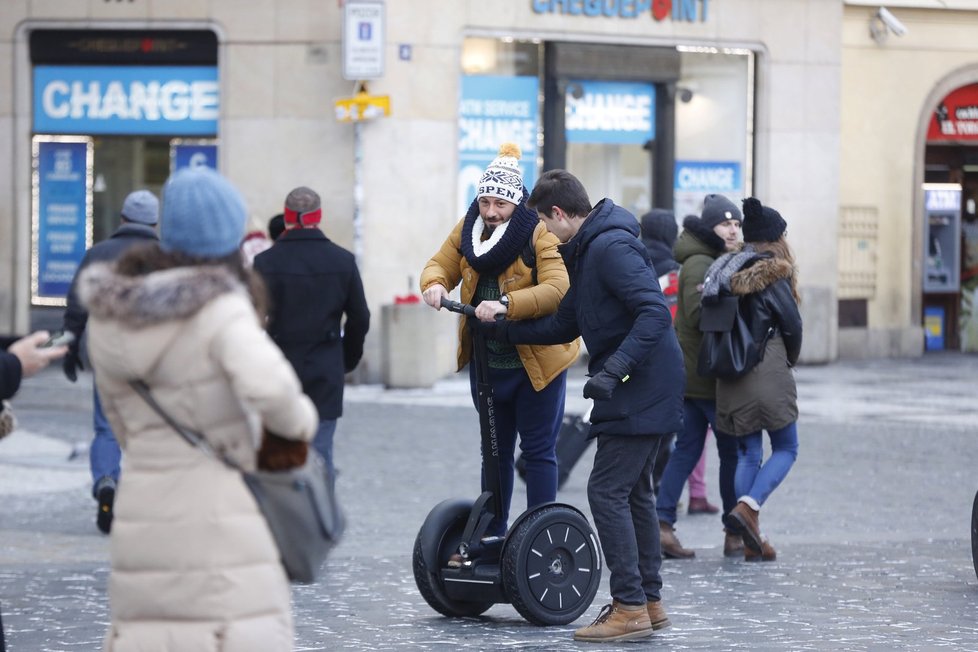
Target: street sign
[
  {"x": 362, "y": 107},
  {"x": 363, "y": 39}
]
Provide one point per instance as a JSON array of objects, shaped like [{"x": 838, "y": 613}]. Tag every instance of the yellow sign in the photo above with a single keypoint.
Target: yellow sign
[{"x": 362, "y": 107}]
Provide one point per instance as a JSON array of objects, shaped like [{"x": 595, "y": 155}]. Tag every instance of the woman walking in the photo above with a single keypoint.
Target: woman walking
[
  {"x": 194, "y": 565},
  {"x": 765, "y": 398}
]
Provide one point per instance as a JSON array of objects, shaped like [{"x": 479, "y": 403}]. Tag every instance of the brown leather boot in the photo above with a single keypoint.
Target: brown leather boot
[
  {"x": 768, "y": 553},
  {"x": 701, "y": 506},
  {"x": 750, "y": 529},
  {"x": 657, "y": 615},
  {"x": 671, "y": 548},
  {"x": 617, "y": 622},
  {"x": 733, "y": 544}
]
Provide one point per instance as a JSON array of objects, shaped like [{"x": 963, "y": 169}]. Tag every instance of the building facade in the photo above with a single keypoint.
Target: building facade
[{"x": 649, "y": 102}]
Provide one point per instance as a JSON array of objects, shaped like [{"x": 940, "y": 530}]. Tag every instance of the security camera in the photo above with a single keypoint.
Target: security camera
[{"x": 891, "y": 21}]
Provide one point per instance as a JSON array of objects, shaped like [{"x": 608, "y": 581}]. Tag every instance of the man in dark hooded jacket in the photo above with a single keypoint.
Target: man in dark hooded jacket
[{"x": 636, "y": 367}]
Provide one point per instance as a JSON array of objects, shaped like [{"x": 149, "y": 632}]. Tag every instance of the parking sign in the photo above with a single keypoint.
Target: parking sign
[{"x": 363, "y": 39}]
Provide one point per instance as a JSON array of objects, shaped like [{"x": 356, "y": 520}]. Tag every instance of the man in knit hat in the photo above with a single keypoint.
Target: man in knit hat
[
  {"x": 137, "y": 226},
  {"x": 509, "y": 265},
  {"x": 313, "y": 284},
  {"x": 703, "y": 240}
]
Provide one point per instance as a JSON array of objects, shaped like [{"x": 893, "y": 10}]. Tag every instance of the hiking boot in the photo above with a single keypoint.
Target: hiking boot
[
  {"x": 768, "y": 553},
  {"x": 105, "y": 495},
  {"x": 657, "y": 615},
  {"x": 617, "y": 622},
  {"x": 671, "y": 548},
  {"x": 733, "y": 544},
  {"x": 701, "y": 506},
  {"x": 748, "y": 518}
]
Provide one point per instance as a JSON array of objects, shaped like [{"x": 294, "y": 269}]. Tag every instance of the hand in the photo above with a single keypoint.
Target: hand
[
  {"x": 434, "y": 294},
  {"x": 495, "y": 330},
  {"x": 71, "y": 363},
  {"x": 280, "y": 454},
  {"x": 601, "y": 385},
  {"x": 32, "y": 358},
  {"x": 487, "y": 310}
]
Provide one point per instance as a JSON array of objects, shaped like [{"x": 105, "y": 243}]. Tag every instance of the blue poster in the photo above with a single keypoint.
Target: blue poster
[
  {"x": 62, "y": 214},
  {"x": 144, "y": 100},
  {"x": 693, "y": 180},
  {"x": 192, "y": 155},
  {"x": 609, "y": 112},
  {"x": 494, "y": 110}
]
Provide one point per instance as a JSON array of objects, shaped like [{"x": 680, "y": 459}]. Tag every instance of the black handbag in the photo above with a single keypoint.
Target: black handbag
[
  {"x": 299, "y": 504},
  {"x": 728, "y": 349}
]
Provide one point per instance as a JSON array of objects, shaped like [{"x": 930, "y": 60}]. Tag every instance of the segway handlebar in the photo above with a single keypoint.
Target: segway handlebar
[{"x": 456, "y": 306}]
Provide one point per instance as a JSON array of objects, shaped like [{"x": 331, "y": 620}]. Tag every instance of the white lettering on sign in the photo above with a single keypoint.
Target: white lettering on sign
[
  {"x": 609, "y": 112},
  {"x": 942, "y": 200},
  {"x": 715, "y": 178},
  {"x": 174, "y": 100}
]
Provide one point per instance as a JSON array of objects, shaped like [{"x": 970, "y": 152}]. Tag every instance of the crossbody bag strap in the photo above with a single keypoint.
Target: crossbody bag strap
[{"x": 191, "y": 437}]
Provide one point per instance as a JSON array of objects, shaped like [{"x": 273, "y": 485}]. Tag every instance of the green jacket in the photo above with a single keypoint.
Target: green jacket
[{"x": 695, "y": 257}]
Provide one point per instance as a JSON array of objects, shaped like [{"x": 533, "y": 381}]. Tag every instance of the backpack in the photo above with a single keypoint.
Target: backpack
[{"x": 728, "y": 350}]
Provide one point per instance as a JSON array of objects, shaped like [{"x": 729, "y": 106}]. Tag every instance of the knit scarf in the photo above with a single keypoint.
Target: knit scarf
[
  {"x": 718, "y": 277},
  {"x": 494, "y": 255}
]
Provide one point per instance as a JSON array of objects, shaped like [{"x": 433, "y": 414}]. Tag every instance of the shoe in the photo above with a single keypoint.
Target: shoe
[
  {"x": 701, "y": 506},
  {"x": 669, "y": 543},
  {"x": 657, "y": 615},
  {"x": 733, "y": 544},
  {"x": 105, "y": 495},
  {"x": 768, "y": 553},
  {"x": 617, "y": 622},
  {"x": 749, "y": 520}
]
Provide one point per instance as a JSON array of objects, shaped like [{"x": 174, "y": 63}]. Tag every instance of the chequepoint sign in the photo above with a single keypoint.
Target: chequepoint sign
[{"x": 676, "y": 10}]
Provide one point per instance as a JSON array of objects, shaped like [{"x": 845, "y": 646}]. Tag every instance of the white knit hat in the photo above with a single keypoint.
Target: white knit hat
[{"x": 503, "y": 178}]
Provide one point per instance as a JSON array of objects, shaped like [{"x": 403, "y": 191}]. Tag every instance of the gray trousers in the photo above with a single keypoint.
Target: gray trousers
[{"x": 623, "y": 507}]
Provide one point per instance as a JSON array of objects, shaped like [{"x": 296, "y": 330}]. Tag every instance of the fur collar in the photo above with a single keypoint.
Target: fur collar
[
  {"x": 140, "y": 301},
  {"x": 761, "y": 274}
]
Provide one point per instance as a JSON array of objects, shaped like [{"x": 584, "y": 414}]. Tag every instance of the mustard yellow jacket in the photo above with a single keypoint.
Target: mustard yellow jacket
[{"x": 449, "y": 267}]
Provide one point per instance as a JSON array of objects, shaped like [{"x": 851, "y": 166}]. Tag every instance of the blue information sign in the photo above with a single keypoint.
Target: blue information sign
[
  {"x": 191, "y": 155},
  {"x": 494, "y": 110},
  {"x": 62, "y": 214},
  {"x": 695, "y": 179},
  {"x": 609, "y": 112},
  {"x": 126, "y": 100}
]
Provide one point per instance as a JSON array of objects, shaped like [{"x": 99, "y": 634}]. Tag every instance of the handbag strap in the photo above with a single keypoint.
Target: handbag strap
[{"x": 191, "y": 437}]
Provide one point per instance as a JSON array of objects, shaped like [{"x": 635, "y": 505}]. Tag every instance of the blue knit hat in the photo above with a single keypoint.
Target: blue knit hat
[{"x": 203, "y": 214}]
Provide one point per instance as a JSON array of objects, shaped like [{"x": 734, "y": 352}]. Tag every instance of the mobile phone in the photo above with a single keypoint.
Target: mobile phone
[{"x": 60, "y": 338}]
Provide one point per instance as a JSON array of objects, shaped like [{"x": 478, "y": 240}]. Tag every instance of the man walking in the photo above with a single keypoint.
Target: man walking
[
  {"x": 615, "y": 304},
  {"x": 312, "y": 283},
  {"x": 138, "y": 218}
]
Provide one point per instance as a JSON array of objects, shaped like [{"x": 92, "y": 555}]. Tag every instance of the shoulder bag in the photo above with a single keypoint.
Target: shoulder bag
[
  {"x": 299, "y": 504},
  {"x": 728, "y": 350}
]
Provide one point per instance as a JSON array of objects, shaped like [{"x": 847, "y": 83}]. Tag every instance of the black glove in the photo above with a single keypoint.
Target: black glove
[
  {"x": 495, "y": 330},
  {"x": 603, "y": 384},
  {"x": 71, "y": 363}
]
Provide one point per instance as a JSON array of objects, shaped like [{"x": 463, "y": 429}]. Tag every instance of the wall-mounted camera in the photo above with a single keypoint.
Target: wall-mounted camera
[{"x": 882, "y": 23}]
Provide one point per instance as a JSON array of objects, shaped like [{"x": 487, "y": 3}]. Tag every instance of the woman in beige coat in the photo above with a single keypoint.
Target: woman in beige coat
[{"x": 194, "y": 565}]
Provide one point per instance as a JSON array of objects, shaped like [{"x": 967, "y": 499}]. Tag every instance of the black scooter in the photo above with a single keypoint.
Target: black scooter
[
  {"x": 548, "y": 566},
  {"x": 974, "y": 534}
]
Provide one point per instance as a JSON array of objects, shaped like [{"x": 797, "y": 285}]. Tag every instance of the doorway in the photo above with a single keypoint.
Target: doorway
[{"x": 123, "y": 164}]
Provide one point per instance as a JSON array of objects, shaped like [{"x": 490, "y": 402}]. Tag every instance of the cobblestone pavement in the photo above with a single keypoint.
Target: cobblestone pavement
[{"x": 871, "y": 526}]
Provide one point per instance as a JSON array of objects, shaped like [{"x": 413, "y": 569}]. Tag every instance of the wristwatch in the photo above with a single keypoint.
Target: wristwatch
[{"x": 505, "y": 301}]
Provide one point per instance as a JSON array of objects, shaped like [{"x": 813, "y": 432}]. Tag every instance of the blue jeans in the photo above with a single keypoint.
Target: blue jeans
[
  {"x": 619, "y": 492},
  {"x": 759, "y": 481},
  {"x": 698, "y": 414},
  {"x": 104, "y": 454},
  {"x": 536, "y": 416},
  {"x": 323, "y": 443}
]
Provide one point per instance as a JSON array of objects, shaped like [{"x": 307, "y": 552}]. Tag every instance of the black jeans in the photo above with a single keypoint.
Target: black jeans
[{"x": 623, "y": 507}]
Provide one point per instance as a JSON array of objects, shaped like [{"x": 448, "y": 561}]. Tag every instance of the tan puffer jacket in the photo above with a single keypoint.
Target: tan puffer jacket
[
  {"x": 194, "y": 566},
  {"x": 449, "y": 267}
]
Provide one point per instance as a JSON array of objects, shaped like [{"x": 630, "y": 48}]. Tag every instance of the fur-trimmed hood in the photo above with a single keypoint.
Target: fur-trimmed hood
[
  {"x": 761, "y": 274},
  {"x": 140, "y": 301}
]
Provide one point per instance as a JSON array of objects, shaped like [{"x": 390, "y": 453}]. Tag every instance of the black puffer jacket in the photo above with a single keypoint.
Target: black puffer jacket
[{"x": 767, "y": 303}]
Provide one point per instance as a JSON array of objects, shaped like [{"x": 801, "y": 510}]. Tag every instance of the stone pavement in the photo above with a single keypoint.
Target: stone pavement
[{"x": 871, "y": 526}]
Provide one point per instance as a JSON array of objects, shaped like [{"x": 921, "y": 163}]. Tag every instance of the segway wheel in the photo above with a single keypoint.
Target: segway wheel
[
  {"x": 552, "y": 566},
  {"x": 430, "y": 584},
  {"x": 974, "y": 534}
]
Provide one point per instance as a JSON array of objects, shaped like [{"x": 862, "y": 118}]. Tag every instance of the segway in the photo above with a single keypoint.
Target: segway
[
  {"x": 548, "y": 566},
  {"x": 974, "y": 534}
]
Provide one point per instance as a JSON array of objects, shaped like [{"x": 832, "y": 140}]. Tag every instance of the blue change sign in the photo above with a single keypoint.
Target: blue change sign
[
  {"x": 62, "y": 214},
  {"x": 694, "y": 180},
  {"x": 192, "y": 155},
  {"x": 609, "y": 112},
  {"x": 494, "y": 110},
  {"x": 144, "y": 100}
]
